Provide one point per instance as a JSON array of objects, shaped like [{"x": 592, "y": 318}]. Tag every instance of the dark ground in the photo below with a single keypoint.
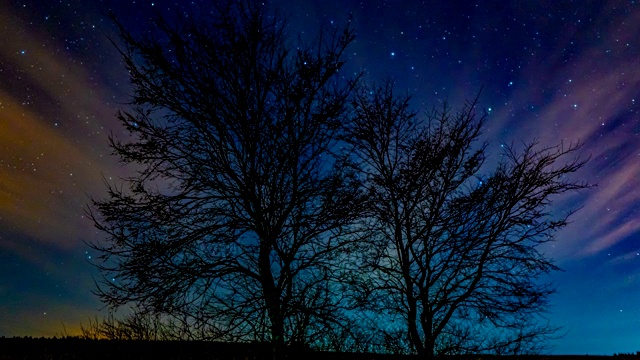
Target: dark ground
[{"x": 78, "y": 349}]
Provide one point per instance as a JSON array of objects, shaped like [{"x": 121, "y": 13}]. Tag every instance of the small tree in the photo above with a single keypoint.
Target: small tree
[
  {"x": 236, "y": 220},
  {"x": 455, "y": 253}
]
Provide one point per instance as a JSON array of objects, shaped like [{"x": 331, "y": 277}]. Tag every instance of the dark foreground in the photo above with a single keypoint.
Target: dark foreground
[{"x": 79, "y": 349}]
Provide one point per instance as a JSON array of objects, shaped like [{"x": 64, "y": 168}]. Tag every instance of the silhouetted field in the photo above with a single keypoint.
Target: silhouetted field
[
  {"x": 75, "y": 348},
  {"x": 78, "y": 349}
]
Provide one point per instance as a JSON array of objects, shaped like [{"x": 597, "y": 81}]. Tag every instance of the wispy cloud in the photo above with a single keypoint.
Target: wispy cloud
[
  {"x": 582, "y": 100},
  {"x": 53, "y": 149}
]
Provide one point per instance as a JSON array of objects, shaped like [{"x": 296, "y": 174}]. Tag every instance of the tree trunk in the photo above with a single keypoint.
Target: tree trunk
[
  {"x": 414, "y": 336},
  {"x": 277, "y": 337},
  {"x": 426, "y": 321},
  {"x": 429, "y": 347},
  {"x": 272, "y": 302}
]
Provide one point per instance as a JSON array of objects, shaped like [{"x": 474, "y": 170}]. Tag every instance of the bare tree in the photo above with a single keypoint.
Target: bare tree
[
  {"x": 237, "y": 218},
  {"x": 455, "y": 253}
]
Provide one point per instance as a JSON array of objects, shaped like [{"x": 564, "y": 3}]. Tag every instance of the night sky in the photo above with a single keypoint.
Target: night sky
[{"x": 551, "y": 70}]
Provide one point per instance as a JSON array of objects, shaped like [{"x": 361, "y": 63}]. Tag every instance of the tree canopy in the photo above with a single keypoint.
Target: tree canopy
[
  {"x": 456, "y": 247},
  {"x": 239, "y": 211}
]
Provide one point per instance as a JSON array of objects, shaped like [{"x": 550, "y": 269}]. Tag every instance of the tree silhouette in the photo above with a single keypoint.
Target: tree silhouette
[
  {"x": 236, "y": 220},
  {"x": 265, "y": 206},
  {"x": 455, "y": 254}
]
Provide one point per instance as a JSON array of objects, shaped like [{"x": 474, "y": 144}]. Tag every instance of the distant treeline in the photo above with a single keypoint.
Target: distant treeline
[{"x": 67, "y": 348}]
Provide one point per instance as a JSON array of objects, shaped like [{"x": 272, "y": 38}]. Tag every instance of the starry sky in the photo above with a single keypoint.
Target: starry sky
[{"x": 550, "y": 70}]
